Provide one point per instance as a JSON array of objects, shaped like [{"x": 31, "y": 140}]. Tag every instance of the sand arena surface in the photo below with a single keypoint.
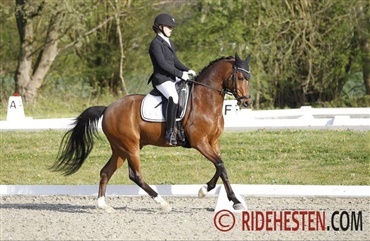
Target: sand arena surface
[{"x": 140, "y": 218}]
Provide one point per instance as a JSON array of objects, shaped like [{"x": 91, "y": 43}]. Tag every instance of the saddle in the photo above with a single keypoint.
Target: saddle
[{"x": 154, "y": 106}]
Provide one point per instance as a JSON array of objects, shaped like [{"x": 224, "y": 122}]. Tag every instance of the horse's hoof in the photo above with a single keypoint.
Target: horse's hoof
[
  {"x": 166, "y": 208},
  {"x": 106, "y": 209},
  {"x": 238, "y": 206},
  {"x": 109, "y": 209},
  {"x": 202, "y": 191}
]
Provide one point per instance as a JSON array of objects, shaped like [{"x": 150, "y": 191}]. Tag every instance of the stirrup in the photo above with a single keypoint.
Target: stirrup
[
  {"x": 171, "y": 138},
  {"x": 180, "y": 133}
]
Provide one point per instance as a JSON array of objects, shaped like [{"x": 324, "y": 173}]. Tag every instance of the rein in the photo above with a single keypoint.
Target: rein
[{"x": 208, "y": 86}]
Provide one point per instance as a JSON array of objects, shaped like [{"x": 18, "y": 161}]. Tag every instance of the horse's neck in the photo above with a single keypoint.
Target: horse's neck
[
  {"x": 217, "y": 74},
  {"x": 212, "y": 97}
]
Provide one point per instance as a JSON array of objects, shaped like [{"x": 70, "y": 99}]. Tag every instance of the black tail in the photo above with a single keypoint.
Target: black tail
[{"x": 78, "y": 142}]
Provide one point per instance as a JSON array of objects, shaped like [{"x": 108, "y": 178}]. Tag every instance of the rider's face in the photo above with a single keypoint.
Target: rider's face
[{"x": 167, "y": 30}]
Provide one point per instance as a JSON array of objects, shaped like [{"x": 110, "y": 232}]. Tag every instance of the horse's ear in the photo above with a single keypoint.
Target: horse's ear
[
  {"x": 237, "y": 57},
  {"x": 248, "y": 58}
]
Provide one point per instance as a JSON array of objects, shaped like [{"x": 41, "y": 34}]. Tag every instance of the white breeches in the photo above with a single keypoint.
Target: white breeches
[{"x": 168, "y": 89}]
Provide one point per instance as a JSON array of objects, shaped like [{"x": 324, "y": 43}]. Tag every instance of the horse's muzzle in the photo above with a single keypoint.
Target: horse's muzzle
[{"x": 244, "y": 101}]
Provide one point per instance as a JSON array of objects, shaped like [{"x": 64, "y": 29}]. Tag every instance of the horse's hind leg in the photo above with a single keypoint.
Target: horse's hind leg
[
  {"x": 106, "y": 173},
  {"x": 135, "y": 176}
]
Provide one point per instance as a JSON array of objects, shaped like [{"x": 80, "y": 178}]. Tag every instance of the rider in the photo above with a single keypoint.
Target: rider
[{"x": 167, "y": 69}]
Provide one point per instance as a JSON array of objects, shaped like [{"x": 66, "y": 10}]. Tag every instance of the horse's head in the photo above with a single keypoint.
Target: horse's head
[{"x": 238, "y": 82}]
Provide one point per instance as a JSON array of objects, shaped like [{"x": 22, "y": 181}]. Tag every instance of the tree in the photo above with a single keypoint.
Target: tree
[
  {"x": 362, "y": 33},
  {"x": 303, "y": 52},
  {"x": 304, "y": 49},
  {"x": 62, "y": 19},
  {"x": 119, "y": 33}
]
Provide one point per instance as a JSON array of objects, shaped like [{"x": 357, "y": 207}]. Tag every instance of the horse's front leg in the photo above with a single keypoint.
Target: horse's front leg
[
  {"x": 209, "y": 153},
  {"x": 229, "y": 191},
  {"x": 203, "y": 191}
]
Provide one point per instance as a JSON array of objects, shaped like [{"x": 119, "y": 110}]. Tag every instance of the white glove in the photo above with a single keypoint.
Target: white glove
[
  {"x": 185, "y": 75},
  {"x": 192, "y": 72}
]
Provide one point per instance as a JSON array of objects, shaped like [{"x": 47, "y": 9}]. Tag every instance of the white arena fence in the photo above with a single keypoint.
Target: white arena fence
[
  {"x": 192, "y": 190},
  {"x": 305, "y": 117},
  {"x": 260, "y": 190}
]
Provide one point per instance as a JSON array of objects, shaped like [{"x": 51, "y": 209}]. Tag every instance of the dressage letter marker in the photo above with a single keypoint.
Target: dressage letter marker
[
  {"x": 15, "y": 108},
  {"x": 223, "y": 202},
  {"x": 230, "y": 108}
]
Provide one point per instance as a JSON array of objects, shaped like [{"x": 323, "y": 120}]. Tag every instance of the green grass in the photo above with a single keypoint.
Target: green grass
[{"x": 253, "y": 157}]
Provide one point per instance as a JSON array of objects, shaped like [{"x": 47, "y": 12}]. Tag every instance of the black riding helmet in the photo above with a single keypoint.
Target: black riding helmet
[{"x": 163, "y": 19}]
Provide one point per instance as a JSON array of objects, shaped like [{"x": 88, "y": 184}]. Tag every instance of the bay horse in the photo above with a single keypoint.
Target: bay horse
[{"x": 127, "y": 132}]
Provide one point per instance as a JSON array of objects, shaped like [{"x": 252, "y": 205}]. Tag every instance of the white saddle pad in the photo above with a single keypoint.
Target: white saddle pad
[{"x": 151, "y": 109}]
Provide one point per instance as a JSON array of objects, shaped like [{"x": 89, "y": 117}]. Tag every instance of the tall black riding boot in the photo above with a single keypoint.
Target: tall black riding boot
[{"x": 170, "y": 122}]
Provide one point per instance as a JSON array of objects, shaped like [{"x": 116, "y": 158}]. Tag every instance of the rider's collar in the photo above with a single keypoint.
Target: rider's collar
[{"x": 165, "y": 38}]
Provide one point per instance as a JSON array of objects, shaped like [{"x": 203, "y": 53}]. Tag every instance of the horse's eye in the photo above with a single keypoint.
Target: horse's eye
[{"x": 240, "y": 78}]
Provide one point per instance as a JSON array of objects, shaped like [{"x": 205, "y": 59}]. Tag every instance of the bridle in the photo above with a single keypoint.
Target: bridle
[{"x": 232, "y": 77}]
